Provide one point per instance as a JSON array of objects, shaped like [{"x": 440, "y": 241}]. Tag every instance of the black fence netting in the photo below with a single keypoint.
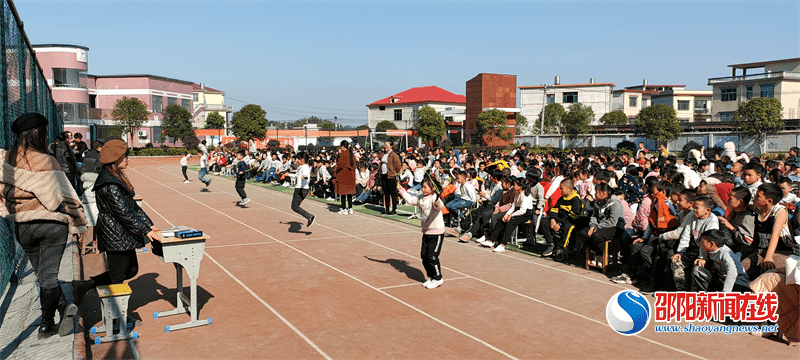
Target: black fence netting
[{"x": 23, "y": 89}]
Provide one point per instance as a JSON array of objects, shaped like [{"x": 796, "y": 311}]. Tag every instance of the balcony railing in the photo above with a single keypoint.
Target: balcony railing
[
  {"x": 76, "y": 86},
  {"x": 762, "y": 76},
  {"x": 701, "y": 111}
]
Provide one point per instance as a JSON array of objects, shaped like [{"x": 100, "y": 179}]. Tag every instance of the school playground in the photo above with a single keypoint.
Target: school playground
[{"x": 349, "y": 287}]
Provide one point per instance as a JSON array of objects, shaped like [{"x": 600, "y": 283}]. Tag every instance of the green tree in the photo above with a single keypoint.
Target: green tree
[
  {"x": 553, "y": 113},
  {"x": 130, "y": 113},
  {"x": 430, "y": 124},
  {"x": 177, "y": 122},
  {"x": 492, "y": 123},
  {"x": 249, "y": 123},
  {"x": 215, "y": 121},
  {"x": 576, "y": 122},
  {"x": 326, "y": 125},
  {"x": 657, "y": 122},
  {"x": 614, "y": 118},
  {"x": 522, "y": 124},
  {"x": 362, "y": 127},
  {"x": 760, "y": 117},
  {"x": 382, "y": 127}
]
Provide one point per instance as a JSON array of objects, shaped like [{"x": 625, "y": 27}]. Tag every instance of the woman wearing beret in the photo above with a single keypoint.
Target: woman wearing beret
[
  {"x": 122, "y": 225},
  {"x": 39, "y": 199}
]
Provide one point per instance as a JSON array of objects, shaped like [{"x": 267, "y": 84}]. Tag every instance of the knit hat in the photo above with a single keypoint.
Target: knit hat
[
  {"x": 28, "y": 121},
  {"x": 113, "y": 150}
]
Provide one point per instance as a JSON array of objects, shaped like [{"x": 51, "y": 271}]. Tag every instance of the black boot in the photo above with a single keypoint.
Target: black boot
[
  {"x": 49, "y": 301},
  {"x": 67, "y": 312},
  {"x": 80, "y": 288}
]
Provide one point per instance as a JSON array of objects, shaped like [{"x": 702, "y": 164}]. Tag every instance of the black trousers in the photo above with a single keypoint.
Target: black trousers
[
  {"x": 298, "y": 197},
  {"x": 122, "y": 265},
  {"x": 44, "y": 241},
  {"x": 561, "y": 238},
  {"x": 183, "y": 169},
  {"x": 507, "y": 228},
  {"x": 431, "y": 248},
  {"x": 349, "y": 203},
  {"x": 390, "y": 192},
  {"x": 240, "y": 187},
  {"x": 655, "y": 260},
  {"x": 481, "y": 219},
  {"x": 712, "y": 280},
  {"x": 597, "y": 240}
]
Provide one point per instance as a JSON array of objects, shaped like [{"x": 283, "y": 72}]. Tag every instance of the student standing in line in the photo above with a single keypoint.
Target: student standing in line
[
  {"x": 241, "y": 177},
  {"x": 430, "y": 213},
  {"x": 301, "y": 187},
  {"x": 184, "y": 164}
]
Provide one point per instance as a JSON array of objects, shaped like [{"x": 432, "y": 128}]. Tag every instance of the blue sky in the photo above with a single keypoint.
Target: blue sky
[{"x": 330, "y": 58}]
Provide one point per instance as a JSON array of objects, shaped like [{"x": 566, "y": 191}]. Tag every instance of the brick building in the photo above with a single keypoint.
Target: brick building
[{"x": 486, "y": 92}]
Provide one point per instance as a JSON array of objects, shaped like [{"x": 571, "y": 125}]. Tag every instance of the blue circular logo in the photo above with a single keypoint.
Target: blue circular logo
[{"x": 628, "y": 312}]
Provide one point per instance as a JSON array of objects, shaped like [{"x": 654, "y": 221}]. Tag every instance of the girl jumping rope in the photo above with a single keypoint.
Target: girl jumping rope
[{"x": 430, "y": 207}]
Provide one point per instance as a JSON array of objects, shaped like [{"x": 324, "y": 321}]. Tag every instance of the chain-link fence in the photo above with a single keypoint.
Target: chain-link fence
[{"x": 23, "y": 89}]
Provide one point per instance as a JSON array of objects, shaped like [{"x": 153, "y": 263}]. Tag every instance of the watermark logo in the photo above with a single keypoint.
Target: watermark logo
[{"x": 628, "y": 312}]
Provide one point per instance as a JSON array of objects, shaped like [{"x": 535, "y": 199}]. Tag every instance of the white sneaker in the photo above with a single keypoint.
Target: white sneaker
[
  {"x": 425, "y": 284},
  {"x": 500, "y": 248},
  {"x": 286, "y": 184},
  {"x": 342, "y": 212},
  {"x": 482, "y": 239},
  {"x": 487, "y": 243},
  {"x": 245, "y": 201},
  {"x": 434, "y": 284},
  {"x": 350, "y": 211},
  {"x": 185, "y": 181},
  {"x": 330, "y": 199}
]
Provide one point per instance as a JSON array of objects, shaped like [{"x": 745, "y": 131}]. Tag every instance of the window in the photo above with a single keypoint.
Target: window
[
  {"x": 726, "y": 116},
  {"x": 728, "y": 94},
  {"x": 448, "y": 118},
  {"x": 158, "y": 104},
  {"x": 632, "y": 101},
  {"x": 767, "y": 90},
  {"x": 749, "y": 92},
  {"x": 186, "y": 104},
  {"x": 551, "y": 98},
  {"x": 69, "y": 78},
  {"x": 570, "y": 97},
  {"x": 172, "y": 101},
  {"x": 156, "y": 136},
  {"x": 196, "y": 97},
  {"x": 683, "y": 104},
  {"x": 644, "y": 103},
  {"x": 398, "y": 114},
  {"x": 700, "y": 104},
  {"x": 381, "y": 108},
  {"x": 448, "y": 109},
  {"x": 73, "y": 112}
]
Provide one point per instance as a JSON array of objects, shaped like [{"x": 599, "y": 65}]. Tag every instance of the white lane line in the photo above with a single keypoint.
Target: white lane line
[
  {"x": 487, "y": 282},
  {"x": 296, "y": 240},
  {"x": 418, "y": 284},
  {"x": 395, "y": 224},
  {"x": 341, "y": 272},
  {"x": 268, "y": 306}
]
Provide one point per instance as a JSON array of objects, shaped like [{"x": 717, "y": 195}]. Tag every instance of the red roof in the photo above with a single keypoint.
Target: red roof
[
  {"x": 423, "y": 94},
  {"x": 207, "y": 89}
]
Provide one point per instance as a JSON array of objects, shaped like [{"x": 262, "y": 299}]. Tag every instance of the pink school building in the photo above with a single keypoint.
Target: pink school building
[{"x": 85, "y": 102}]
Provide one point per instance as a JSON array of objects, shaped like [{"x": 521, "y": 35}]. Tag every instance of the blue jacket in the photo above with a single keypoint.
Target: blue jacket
[{"x": 241, "y": 167}]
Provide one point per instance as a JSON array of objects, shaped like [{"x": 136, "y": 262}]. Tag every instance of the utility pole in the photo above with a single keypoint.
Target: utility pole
[{"x": 544, "y": 105}]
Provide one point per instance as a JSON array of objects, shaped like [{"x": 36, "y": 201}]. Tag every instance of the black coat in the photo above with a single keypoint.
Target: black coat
[
  {"x": 66, "y": 158},
  {"x": 121, "y": 224}
]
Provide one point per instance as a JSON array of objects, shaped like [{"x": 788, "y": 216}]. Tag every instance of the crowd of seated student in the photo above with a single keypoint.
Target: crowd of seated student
[{"x": 693, "y": 224}]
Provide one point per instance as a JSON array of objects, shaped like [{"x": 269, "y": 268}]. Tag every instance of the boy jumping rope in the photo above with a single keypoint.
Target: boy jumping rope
[
  {"x": 301, "y": 187},
  {"x": 430, "y": 213}
]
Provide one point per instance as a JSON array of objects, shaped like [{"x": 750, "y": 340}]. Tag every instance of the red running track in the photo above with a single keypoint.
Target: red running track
[{"x": 349, "y": 287}]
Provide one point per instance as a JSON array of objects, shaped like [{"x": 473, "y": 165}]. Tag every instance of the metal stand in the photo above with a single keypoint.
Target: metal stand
[
  {"x": 185, "y": 254},
  {"x": 114, "y": 303}
]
